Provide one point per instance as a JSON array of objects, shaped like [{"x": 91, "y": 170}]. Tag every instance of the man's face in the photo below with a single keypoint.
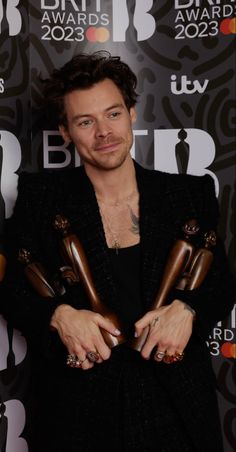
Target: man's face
[{"x": 99, "y": 125}]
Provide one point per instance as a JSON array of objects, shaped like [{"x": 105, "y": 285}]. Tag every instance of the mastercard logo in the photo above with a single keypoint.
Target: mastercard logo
[
  {"x": 228, "y": 350},
  {"x": 228, "y": 26},
  {"x": 97, "y": 34}
]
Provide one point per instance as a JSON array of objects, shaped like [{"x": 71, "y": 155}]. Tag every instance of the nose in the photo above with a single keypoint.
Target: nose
[{"x": 102, "y": 128}]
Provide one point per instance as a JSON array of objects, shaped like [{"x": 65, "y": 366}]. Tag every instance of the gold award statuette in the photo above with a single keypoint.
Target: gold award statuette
[
  {"x": 186, "y": 268},
  {"x": 197, "y": 269},
  {"x": 74, "y": 256}
]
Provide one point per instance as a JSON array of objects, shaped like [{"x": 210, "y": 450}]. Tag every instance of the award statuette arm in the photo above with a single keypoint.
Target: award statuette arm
[
  {"x": 74, "y": 256},
  {"x": 36, "y": 274}
]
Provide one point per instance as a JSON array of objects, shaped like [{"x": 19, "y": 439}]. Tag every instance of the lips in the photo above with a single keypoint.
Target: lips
[{"x": 103, "y": 147}]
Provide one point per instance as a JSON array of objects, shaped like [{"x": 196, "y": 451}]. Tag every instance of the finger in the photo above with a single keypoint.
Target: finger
[
  {"x": 102, "y": 348},
  {"x": 179, "y": 356},
  {"x": 154, "y": 322},
  {"x": 149, "y": 346},
  {"x": 142, "y": 323},
  {"x": 74, "y": 361},
  {"x": 168, "y": 358},
  {"x": 170, "y": 350},
  {"x": 153, "y": 339},
  {"x": 93, "y": 356},
  {"x": 159, "y": 355},
  {"x": 78, "y": 350},
  {"x": 107, "y": 325},
  {"x": 86, "y": 365},
  {"x": 77, "y": 362}
]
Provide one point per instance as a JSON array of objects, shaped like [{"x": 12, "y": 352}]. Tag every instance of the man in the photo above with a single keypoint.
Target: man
[{"x": 88, "y": 395}]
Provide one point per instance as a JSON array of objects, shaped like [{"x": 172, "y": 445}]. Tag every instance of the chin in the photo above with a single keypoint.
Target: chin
[{"x": 111, "y": 162}]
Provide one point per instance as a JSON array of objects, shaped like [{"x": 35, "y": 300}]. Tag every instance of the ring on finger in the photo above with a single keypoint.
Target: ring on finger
[
  {"x": 74, "y": 361},
  {"x": 79, "y": 362},
  {"x": 159, "y": 355},
  {"x": 71, "y": 360},
  {"x": 93, "y": 356},
  {"x": 178, "y": 356},
  {"x": 168, "y": 359}
]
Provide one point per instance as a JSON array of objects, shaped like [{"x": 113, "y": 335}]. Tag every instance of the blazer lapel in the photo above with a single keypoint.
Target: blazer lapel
[{"x": 155, "y": 235}]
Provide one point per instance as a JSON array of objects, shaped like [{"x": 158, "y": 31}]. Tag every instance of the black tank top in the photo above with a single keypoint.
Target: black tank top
[{"x": 126, "y": 271}]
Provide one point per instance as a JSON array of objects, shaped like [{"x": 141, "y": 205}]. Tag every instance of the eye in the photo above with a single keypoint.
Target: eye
[
  {"x": 85, "y": 123},
  {"x": 114, "y": 114}
]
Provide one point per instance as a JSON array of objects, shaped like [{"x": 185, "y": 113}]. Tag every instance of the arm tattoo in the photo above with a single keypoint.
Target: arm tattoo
[{"x": 193, "y": 312}]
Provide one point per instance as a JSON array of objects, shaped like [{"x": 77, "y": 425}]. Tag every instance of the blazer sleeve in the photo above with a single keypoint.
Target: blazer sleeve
[{"x": 215, "y": 298}]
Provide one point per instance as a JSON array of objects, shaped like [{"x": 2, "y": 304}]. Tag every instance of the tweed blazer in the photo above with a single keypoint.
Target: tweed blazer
[{"x": 166, "y": 202}]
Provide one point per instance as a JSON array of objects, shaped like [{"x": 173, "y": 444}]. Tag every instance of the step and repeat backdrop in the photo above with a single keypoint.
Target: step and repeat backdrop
[{"x": 183, "y": 53}]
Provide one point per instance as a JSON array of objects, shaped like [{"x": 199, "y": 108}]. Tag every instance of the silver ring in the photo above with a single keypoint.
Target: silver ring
[
  {"x": 160, "y": 355},
  {"x": 93, "y": 356}
]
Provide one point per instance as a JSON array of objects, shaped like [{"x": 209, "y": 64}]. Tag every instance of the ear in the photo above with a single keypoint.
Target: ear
[
  {"x": 65, "y": 134},
  {"x": 133, "y": 114}
]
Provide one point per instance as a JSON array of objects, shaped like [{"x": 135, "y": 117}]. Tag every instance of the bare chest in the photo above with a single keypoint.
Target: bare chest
[{"x": 121, "y": 223}]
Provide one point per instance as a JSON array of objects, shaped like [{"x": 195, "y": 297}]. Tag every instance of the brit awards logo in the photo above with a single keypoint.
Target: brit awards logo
[
  {"x": 221, "y": 340},
  {"x": 94, "y": 21},
  {"x": 9, "y": 10},
  {"x": 201, "y": 19},
  {"x": 185, "y": 151},
  {"x": 143, "y": 21}
]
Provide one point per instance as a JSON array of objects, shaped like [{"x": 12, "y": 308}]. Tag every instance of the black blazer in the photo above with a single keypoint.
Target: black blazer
[{"x": 166, "y": 202}]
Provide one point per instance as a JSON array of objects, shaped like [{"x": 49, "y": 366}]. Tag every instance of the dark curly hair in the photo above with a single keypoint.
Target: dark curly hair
[{"x": 83, "y": 71}]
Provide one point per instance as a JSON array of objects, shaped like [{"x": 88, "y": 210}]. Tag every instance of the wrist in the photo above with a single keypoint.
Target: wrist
[
  {"x": 58, "y": 314},
  {"x": 190, "y": 309},
  {"x": 187, "y": 307}
]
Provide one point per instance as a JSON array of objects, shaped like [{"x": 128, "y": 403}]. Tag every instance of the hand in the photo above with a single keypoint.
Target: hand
[
  {"x": 80, "y": 332},
  {"x": 170, "y": 328}
]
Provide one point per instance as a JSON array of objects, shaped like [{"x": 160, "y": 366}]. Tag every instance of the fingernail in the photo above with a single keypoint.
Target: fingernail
[
  {"x": 135, "y": 334},
  {"x": 117, "y": 332}
]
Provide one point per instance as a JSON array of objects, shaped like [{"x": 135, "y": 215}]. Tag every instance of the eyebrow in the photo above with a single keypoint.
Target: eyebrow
[{"x": 86, "y": 115}]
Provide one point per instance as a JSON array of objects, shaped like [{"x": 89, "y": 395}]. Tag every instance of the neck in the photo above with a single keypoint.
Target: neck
[{"x": 112, "y": 186}]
